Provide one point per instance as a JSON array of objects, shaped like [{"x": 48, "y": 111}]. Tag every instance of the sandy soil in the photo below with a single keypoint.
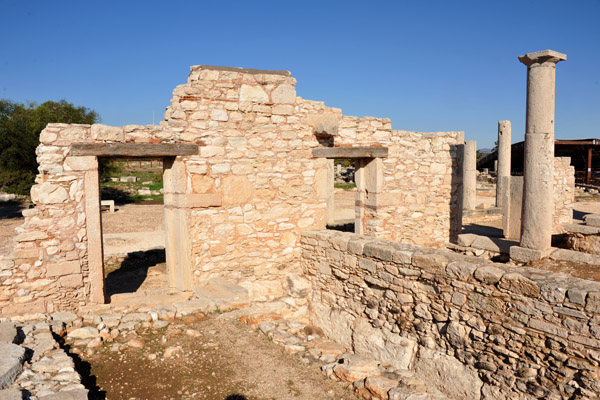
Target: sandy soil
[
  {"x": 220, "y": 359},
  {"x": 10, "y": 218}
]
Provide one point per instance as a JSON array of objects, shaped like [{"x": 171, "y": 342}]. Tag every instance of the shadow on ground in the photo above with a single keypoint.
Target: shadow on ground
[
  {"x": 127, "y": 276},
  {"x": 347, "y": 227},
  {"x": 483, "y": 230},
  {"x": 579, "y": 214},
  {"x": 11, "y": 209}
]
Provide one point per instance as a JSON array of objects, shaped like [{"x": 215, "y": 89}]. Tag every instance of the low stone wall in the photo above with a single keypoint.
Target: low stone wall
[{"x": 480, "y": 330}]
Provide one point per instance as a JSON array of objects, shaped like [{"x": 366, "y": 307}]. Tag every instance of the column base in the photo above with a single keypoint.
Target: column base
[{"x": 525, "y": 255}]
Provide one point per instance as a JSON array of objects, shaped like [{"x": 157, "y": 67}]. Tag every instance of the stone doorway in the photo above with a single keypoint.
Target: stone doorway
[
  {"x": 177, "y": 238},
  {"x": 368, "y": 176}
]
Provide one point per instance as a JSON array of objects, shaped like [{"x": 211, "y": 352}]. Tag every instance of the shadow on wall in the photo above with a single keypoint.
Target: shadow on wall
[
  {"x": 236, "y": 397},
  {"x": 127, "y": 276}
]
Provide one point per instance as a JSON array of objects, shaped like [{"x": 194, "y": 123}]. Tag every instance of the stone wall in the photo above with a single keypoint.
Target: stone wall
[
  {"x": 237, "y": 208},
  {"x": 476, "y": 328},
  {"x": 564, "y": 193}
]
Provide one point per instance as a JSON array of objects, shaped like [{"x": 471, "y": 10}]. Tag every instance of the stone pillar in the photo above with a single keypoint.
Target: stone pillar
[
  {"x": 470, "y": 175},
  {"x": 504, "y": 156},
  {"x": 538, "y": 172}
]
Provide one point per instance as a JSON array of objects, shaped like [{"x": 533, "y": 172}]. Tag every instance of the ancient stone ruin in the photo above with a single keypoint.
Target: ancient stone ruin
[{"x": 248, "y": 178}]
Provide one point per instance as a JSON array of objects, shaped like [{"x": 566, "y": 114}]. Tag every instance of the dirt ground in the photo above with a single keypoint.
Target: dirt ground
[
  {"x": 219, "y": 359},
  {"x": 10, "y": 218}
]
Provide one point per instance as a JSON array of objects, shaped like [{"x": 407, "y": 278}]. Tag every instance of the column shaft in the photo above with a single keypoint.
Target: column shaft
[
  {"x": 470, "y": 175},
  {"x": 504, "y": 160}
]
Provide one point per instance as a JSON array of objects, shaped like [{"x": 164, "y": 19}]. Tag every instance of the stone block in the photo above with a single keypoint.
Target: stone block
[
  {"x": 219, "y": 115},
  {"x": 50, "y": 193},
  {"x": 80, "y": 163},
  {"x": 448, "y": 374},
  {"x": 525, "y": 255},
  {"x": 11, "y": 363},
  {"x": 434, "y": 263},
  {"x": 466, "y": 239},
  {"x": 71, "y": 281},
  {"x": 75, "y": 394},
  {"x": 354, "y": 368},
  {"x": 547, "y": 327},
  {"x": 255, "y": 94},
  {"x": 517, "y": 283},
  {"x": 488, "y": 274},
  {"x": 11, "y": 394},
  {"x": 380, "y": 250},
  {"x": 283, "y": 109},
  {"x": 380, "y": 385},
  {"x": 284, "y": 94},
  {"x": 8, "y": 332},
  {"x": 593, "y": 302},
  {"x": 32, "y": 236},
  {"x": 63, "y": 268},
  {"x": 592, "y": 220},
  {"x": 107, "y": 133},
  {"x": 237, "y": 190},
  {"x": 461, "y": 270}
]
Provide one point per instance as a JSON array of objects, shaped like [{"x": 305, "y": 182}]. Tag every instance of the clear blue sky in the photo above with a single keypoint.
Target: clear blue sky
[{"x": 427, "y": 65}]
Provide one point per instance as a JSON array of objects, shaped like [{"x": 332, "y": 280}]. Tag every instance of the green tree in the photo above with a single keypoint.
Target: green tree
[{"x": 20, "y": 127}]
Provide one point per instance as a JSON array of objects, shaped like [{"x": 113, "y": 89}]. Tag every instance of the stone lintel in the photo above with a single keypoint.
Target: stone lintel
[
  {"x": 182, "y": 200},
  {"x": 542, "y": 56},
  {"x": 240, "y": 70},
  {"x": 350, "y": 152},
  {"x": 525, "y": 255},
  {"x": 134, "y": 149}
]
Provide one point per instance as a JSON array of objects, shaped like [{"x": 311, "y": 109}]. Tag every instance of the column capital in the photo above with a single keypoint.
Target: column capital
[{"x": 543, "y": 56}]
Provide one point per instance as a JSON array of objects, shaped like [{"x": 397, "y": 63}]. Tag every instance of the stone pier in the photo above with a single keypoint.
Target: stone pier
[
  {"x": 504, "y": 159},
  {"x": 536, "y": 224},
  {"x": 470, "y": 175}
]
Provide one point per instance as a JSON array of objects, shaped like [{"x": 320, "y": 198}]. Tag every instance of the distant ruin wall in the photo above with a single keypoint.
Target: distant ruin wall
[
  {"x": 475, "y": 328},
  {"x": 564, "y": 193}
]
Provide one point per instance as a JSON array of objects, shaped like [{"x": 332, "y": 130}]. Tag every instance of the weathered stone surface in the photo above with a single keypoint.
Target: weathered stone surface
[
  {"x": 64, "y": 268},
  {"x": 430, "y": 262},
  {"x": 254, "y": 94},
  {"x": 517, "y": 283},
  {"x": 11, "y": 363},
  {"x": 381, "y": 345},
  {"x": 450, "y": 376},
  {"x": 237, "y": 190},
  {"x": 86, "y": 332},
  {"x": 222, "y": 294},
  {"x": 50, "y": 193},
  {"x": 380, "y": 385},
  {"x": 81, "y": 163},
  {"x": 107, "y": 133},
  {"x": 355, "y": 368},
  {"x": 11, "y": 394},
  {"x": 75, "y": 394},
  {"x": 284, "y": 94},
  {"x": 488, "y": 274},
  {"x": 8, "y": 332}
]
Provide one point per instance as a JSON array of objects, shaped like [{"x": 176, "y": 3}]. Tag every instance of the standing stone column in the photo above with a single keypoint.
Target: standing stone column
[
  {"x": 538, "y": 172},
  {"x": 470, "y": 175},
  {"x": 504, "y": 156}
]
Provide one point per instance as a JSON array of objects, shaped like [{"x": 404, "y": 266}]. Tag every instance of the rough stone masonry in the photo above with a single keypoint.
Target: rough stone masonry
[{"x": 237, "y": 202}]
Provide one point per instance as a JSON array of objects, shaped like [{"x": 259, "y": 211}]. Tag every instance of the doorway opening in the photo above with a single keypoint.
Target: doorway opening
[
  {"x": 342, "y": 215},
  {"x": 133, "y": 225}
]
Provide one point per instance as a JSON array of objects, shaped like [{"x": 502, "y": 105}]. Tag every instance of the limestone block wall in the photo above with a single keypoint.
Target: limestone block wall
[
  {"x": 480, "y": 330},
  {"x": 50, "y": 267},
  {"x": 417, "y": 198},
  {"x": 564, "y": 193},
  {"x": 238, "y": 207}
]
